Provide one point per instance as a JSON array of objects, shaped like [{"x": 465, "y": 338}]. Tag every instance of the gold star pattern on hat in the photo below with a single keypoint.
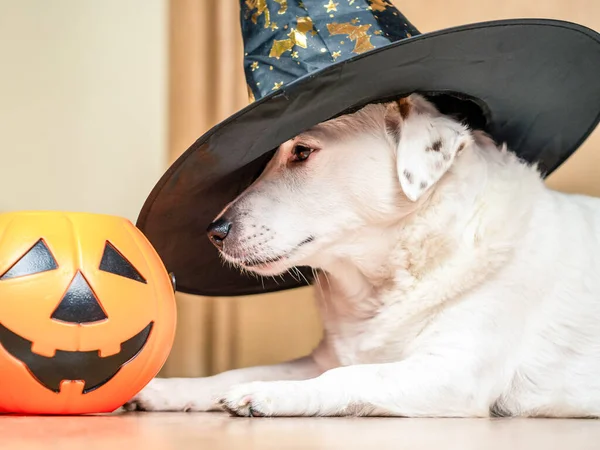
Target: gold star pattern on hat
[
  {"x": 331, "y": 6},
  {"x": 280, "y": 47},
  {"x": 356, "y": 33},
  {"x": 282, "y": 6},
  {"x": 261, "y": 8},
  {"x": 297, "y": 36},
  {"x": 379, "y": 5}
]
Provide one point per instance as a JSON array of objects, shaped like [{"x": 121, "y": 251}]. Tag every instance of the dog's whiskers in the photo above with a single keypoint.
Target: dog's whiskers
[
  {"x": 299, "y": 272},
  {"x": 289, "y": 271}
]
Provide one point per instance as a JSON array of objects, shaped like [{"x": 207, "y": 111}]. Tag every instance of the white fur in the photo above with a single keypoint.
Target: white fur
[{"x": 473, "y": 289}]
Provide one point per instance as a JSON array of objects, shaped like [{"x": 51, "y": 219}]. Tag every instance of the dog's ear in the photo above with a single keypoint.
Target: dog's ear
[{"x": 427, "y": 143}]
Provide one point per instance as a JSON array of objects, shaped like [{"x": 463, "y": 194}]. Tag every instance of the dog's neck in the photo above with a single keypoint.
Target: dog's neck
[{"x": 405, "y": 258}]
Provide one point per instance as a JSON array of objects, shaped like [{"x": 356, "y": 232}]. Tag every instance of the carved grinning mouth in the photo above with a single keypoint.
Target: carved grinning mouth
[
  {"x": 88, "y": 367},
  {"x": 261, "y": 262}
]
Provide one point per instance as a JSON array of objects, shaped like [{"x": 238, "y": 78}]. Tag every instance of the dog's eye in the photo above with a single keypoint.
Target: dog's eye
[{"x": 301, "y": 152}]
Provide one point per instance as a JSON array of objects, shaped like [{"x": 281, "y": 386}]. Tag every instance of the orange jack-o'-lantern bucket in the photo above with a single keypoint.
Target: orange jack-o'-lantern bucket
[{"x": 87, "y": 312}]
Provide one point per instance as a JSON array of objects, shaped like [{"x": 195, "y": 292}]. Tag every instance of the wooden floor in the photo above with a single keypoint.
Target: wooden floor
[{"x": 149, "y": 431}]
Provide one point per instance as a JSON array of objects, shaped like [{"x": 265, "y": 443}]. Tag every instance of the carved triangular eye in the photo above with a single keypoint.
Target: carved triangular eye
[
  {"x": 114, "y": 262},
  {"x": 37, "y": 259}
]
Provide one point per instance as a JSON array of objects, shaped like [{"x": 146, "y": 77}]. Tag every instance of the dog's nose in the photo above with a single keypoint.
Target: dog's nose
[{"x": 218, "y": 231}]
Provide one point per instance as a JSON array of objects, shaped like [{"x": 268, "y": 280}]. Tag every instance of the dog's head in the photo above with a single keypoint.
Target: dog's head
[{"x": 349, "y": 176}]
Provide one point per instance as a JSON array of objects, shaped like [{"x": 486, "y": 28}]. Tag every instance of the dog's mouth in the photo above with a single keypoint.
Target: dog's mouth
[
  {"x": 257, "y": 263},
  {"x": 89, "y": 367}
]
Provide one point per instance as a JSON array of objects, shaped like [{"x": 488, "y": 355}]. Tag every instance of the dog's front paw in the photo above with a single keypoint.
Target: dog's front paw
[
  {"x": 172, "y": 394},
  {"x": 158, "y": 395},
  {"x": 266, "y": 399}
]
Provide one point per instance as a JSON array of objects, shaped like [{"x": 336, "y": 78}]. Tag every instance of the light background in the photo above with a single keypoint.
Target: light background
[{"x": 83, "y": 95}]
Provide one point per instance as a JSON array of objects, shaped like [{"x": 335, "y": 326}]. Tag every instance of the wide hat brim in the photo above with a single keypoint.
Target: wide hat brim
[{"x": 538, "y": 79}]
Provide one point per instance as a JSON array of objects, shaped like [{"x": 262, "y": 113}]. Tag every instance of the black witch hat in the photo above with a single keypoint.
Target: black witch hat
[{"x": 533, "y": 84}]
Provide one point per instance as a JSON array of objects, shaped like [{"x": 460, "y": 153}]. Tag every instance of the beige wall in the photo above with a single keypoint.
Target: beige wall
[{"x": 82, "y": 103}]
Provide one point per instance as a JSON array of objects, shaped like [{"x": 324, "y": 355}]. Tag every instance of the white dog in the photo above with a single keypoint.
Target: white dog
[{"x": 452, "y": 281}]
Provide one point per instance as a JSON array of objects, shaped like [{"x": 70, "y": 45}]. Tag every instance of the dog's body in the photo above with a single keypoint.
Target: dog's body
[{"x": 451, "y": 281}]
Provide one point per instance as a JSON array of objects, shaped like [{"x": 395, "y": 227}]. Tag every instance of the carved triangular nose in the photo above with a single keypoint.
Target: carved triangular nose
[{"x": 79, "y": 305}]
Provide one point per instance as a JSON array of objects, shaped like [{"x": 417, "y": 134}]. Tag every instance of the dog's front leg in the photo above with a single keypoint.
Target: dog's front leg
[
  {"x": 416, "y": 387},
  {"x": 201, "y": 394}
]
